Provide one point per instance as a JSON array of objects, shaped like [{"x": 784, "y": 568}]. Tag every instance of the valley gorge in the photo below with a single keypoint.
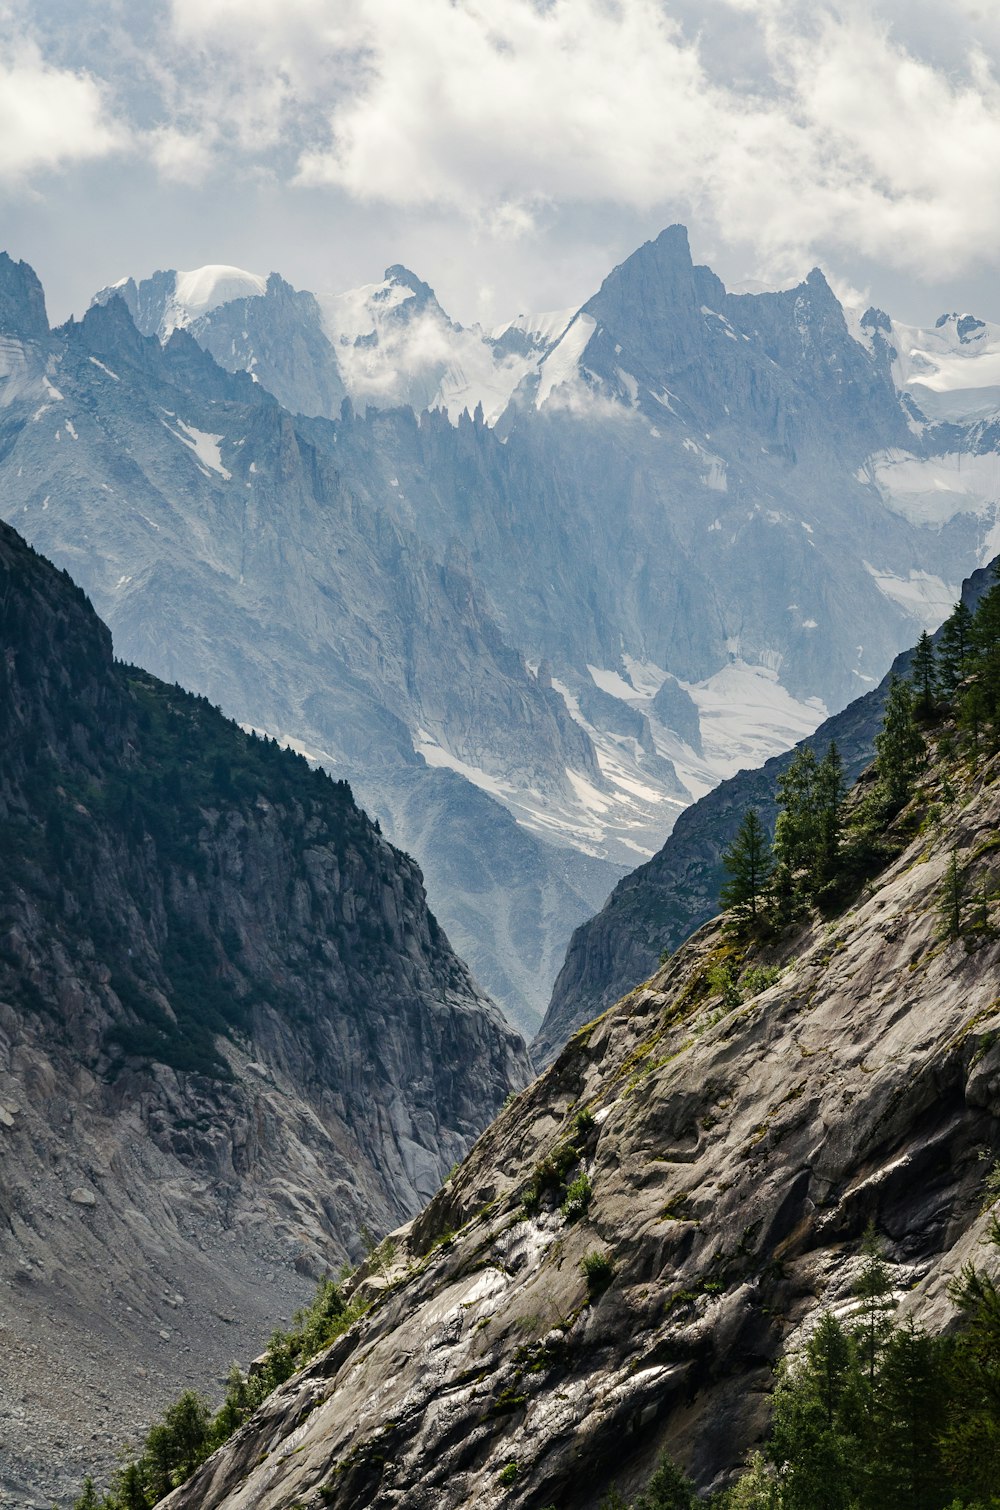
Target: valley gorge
[
  {"x": 600, "y": 521},
  {"x": 537, "y": 613}
]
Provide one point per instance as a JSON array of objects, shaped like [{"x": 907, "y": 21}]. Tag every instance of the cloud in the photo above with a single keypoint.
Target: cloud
[
  {"x": 850, "y": 140},
  {"x": 50, "y": 118},
  {"x": 798, "y": 128},
  {"x": 180, "y": 157}
]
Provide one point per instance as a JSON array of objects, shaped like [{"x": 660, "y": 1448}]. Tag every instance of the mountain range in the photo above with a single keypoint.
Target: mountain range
[{"x": 532, "y": 591}]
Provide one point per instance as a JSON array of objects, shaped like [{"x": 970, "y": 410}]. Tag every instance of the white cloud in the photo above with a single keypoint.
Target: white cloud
[
  {"x": 179, "y": 156},
  {"x": 489, "y": 107},
  {"x": 799, "y": 128},
  {"x": 50, "y": 118}
]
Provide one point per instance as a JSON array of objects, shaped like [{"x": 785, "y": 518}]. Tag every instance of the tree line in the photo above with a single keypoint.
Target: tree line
[
  {"x": 873, "y": 1414},
  {"x": 823, "y": 847}
]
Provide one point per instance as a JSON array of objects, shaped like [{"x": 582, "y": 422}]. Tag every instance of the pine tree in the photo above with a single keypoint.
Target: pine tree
[
  {"x": 954, "y": 647},
  {"x": 130, "y": 1490},
  {"x": 668, "y": 1489},
  {"x": 829, "y": 795},
  {"x": 898, "y": 744},
  {"x": 748, "y": 861},
  {"x": 950, "y": 899},
  {"x": 973, "y": 713},
  {"x": 874, "y": 1290},
  {"x": 985, "y": 659},
  {"x": 971, "y": 1440},
  {"x": 815, "y": 1459},
  {"x": 906, "y": 1470},
  {"x": 795, "y": 832},
  {"x": 923, "y": 672},
  {"x": 88, "y": 1500}
]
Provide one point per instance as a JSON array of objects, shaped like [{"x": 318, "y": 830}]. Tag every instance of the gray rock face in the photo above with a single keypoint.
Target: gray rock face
[
  {"x": 230, "y": 552},
  {"x": 656, "y": 906},
  {"x": 275, "y": 334},
  {"x": 22, "y": 301},
  {"x": 734, "y": 1159},
  {"x": 231, "y": 1034}
]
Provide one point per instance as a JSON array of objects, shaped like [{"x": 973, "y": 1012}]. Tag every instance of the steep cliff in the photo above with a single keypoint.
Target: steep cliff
[
  {"x": 231, "y": 1034},
  {"x": 658, "y": 904},
  {"x": 618, "y": 1262}
]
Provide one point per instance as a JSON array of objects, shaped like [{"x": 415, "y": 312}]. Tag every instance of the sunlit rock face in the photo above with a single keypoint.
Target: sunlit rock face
[{"x": 524, "y": 1352}]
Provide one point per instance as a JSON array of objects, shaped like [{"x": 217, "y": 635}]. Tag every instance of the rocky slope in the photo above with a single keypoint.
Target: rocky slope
[
  {"x": 733, "y": 1159},
  {"x": 656, "y": 906},
  {"x": 231, "y": 1034}
]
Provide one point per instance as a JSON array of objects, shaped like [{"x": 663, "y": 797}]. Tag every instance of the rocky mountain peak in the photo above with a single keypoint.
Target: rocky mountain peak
[
  {"x": 22, "y": 301},
  {"x": 654, "y": 290},
  {"x": 109, "y": 330},
  {"x": 966, "y": 327},
  {"x": 876, "y": 319},
  {"x": 402, "y": 277}
]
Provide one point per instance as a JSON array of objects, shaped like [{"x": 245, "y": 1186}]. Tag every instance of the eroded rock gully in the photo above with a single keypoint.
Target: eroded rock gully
[{"x": 735, "y": 1159}]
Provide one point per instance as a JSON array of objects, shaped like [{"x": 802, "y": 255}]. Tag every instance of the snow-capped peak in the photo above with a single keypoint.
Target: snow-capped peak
[
  {"x": 952, "y": 370},
  {"x": 205, "y": 288}
]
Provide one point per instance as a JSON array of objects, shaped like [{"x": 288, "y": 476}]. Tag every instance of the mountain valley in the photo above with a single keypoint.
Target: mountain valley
[{"x": 617, "y": 1264}]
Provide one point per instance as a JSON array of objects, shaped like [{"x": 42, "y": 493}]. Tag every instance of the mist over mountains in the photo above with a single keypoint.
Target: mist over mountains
[{"x": 531, "y": 590}]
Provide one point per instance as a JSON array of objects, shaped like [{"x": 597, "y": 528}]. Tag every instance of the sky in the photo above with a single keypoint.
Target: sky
[{"x": 510, "y": 152}]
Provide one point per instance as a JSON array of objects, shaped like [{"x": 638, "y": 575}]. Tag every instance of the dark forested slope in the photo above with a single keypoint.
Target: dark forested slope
[{"x": 232, "y": 1036}]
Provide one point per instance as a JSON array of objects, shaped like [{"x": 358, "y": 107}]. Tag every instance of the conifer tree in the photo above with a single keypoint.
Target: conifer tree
[
  {"x": 954, "y": 647},
  {"x": 906, "y": 1470},
  {"x": 829, "y": 798},
  {"x": 795, "y": 832},
  {"x": 88, "y": 1500},
  {"x": 923, "y": 672},
  {"x": 130, "y": 1491},
  {"x": 971, "y": 1440},
  {"x": 815, "y": 1459},
  {"x": 985, "y": 658},
  {"x": 668, "y": 1489},
  {"x": 874, "y": 1290},
  {"x": 748, "y": 861},
  {"x": 973, "y": 712},
  {"x": 898, "y": 744},
  {"x": 950, "y": 899}
]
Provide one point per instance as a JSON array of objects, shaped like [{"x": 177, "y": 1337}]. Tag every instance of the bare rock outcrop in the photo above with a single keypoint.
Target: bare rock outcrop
[{"x": 733, "y": 1160}]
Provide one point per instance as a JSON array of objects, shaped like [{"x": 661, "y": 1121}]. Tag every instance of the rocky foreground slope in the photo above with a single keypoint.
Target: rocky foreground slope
[
  {"x": 656, "y": 906},
  {"x": 231, "y": 1036},
  {"x": 546, "y": 1335}
]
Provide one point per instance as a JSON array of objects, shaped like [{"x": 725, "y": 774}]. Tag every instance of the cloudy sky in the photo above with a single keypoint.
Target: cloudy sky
[{"x": 509, "y": 151}]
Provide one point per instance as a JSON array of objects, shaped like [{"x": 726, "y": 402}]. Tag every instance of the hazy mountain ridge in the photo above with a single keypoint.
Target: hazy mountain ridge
[
  {"x": 231, "y": 554},
  {"x": 683, "y": 483}
]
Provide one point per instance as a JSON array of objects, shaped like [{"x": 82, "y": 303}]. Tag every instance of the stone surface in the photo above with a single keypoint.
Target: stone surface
[{"x": 735, "y": 1159}]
